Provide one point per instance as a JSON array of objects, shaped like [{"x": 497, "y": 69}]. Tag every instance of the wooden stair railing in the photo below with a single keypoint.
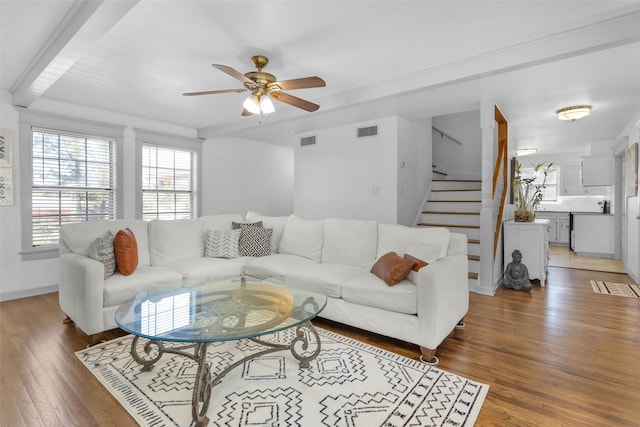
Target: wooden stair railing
[{"x": 501, "y": 165}]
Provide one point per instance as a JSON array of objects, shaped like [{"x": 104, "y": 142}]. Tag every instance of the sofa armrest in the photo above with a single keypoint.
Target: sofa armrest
[
  {"x": 443, "y": 298},
  {"x": 81, "y": 291}
]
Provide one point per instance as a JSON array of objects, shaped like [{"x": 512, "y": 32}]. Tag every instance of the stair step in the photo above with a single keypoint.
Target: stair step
[
  {"x": 456, "y": 189},
  {"x": 458, "y": 180},
  {"x": 441, "y": 173},
  {"x": 473, "y": 257},
  {"x": 429, "y": 224},
  {"x": 473, "y": 241},
  {"x": 473, "y": 276},
  {"x": 453, "y": 200},
  {"x": 450, "y": 213}
]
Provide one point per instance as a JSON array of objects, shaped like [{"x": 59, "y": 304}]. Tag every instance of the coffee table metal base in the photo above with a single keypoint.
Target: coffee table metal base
[{"x": 202, "y": 388}]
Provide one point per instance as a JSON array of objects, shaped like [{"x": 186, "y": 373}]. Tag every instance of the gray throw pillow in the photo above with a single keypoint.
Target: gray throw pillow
[{"x": 101, "y": 249}]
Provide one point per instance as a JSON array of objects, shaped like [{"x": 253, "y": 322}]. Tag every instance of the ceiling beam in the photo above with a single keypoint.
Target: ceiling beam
[{"x": 86, "y": 22}]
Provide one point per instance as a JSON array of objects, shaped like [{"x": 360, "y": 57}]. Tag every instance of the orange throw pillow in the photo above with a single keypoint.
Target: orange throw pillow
[
  {"x": 126, "y": 249},
  {"x": 391, "y": 268},
  {"x": 418, "y": 262}
]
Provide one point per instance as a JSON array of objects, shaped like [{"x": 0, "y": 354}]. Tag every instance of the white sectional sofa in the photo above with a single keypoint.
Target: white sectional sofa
[{"x": 331, "y": 256}]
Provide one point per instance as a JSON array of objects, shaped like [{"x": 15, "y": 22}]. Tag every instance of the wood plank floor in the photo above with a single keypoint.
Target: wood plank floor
[{"x": 561, "y": 355}]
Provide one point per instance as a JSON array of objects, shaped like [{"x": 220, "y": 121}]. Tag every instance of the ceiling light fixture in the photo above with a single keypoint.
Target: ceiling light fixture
[
  {"x": 259, "y": 104},
  {"x": 525, "y": 151},
  {"x": 573, "y": 113}
]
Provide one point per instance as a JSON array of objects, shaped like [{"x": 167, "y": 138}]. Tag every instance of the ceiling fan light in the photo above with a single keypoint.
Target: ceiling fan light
[
  {"x": 573, "y": 113},
  {"x": 266, "y": 105},
  {"x": 252, "y": 104}
]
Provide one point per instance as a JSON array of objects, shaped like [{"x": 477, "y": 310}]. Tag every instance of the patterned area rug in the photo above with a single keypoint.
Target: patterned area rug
[
  {"x": 349, "y": 384},
  {"x": 618, "y": 289}
]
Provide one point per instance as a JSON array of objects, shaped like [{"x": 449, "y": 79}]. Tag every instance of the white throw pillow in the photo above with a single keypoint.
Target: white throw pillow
[
  {"x": 424, "y": 251},
  {"x": 397, "y": 238},
  {"x": 221, "y": 243},
  {"x": 303, "y": 237}
]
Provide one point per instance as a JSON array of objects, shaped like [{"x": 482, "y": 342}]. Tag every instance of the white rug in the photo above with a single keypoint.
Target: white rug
[
  {"x": 349, "y": 384},
  {"x": 618, "y": 289}
]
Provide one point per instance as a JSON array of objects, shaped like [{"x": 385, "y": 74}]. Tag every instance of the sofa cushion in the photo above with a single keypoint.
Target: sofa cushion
[
  {"x": 221, "y": 243},
  {"x": 370, "y": 291},
  {"x": 125, "y": 248},
  {"x": 303, "y": 237},
  {"x": 350, "y": 242},
  {"x": 218, "y": 222},
  {"x": 277, "y": 223},
  {"x": 195, "y": 270},
  {"x": 119, "y": 288},
  {"x": 101, "y": 249},
  {"x": 397, "y": 238},
  {"x": 77, "y": 237},
  {"x": 275, "y": 266},
  {"x": 391, "y": 268},
  {"x": 174, "y": 240},
  {"x": 324, "y": 278}
]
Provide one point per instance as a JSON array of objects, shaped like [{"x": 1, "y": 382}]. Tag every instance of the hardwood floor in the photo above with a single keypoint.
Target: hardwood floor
[{"x": 561, "y": 355}]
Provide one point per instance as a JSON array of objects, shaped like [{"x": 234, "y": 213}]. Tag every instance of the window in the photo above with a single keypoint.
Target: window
[
  {"x": 73, "y": 181},
  {"x": 550, "y": 190},
  {"x": 70, "y": 170},
  {"x": 168, "y": 183}
]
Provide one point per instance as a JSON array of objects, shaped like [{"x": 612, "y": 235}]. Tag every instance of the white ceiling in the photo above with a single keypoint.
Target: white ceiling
[{"x": 411, "y": 58}]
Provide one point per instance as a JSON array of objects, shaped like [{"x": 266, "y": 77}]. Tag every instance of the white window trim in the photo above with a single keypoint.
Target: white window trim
[
  {"x": 144, "y": 136},
  {"x": 29, "y": 119}
]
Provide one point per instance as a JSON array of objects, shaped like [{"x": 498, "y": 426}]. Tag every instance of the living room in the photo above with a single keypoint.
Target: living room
[{"x": 246, "y": 165}]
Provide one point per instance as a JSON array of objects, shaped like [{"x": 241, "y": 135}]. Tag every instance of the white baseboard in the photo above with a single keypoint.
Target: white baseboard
[{"x": 8, "y": 296}]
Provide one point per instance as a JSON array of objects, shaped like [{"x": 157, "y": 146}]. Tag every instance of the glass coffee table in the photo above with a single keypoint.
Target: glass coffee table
[{"x": 221, "y": 310}]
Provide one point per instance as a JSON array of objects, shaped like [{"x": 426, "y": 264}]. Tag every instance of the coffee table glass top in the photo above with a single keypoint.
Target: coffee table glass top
[{"x": 221, "y": 310}]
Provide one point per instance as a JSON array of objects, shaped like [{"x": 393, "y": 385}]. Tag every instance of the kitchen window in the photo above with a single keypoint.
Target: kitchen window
[{"x": 550, "y": 189}]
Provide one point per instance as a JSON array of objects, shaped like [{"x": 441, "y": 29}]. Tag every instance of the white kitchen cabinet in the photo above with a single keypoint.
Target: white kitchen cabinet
[
  {"x": 593, "y": 234},
  {"x": 570, "y": 179},
  {"x": 558, "y": 226},
  {"x": 532, "y": 239},
  {"x": 596, "y": 170},
  {"x": 571, "y": 184}
]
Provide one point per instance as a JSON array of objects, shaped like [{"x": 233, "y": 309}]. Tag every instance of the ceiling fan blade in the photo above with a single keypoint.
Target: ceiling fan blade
[
  {"x": 295, "y": 101},
  {"x": 246, "y": 112},
  {"x": 235, "y": 74},
  {"x": 302, "y": 83},
  {"x": 212, "y": 92}
]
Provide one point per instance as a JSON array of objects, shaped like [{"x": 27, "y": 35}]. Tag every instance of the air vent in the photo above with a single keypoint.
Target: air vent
[
  {"x": 307, "y": 140},
  {"x": 368, "y": 131}
]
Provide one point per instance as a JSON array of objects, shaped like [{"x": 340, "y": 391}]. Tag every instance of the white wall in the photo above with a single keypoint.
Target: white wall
[
  {"x": 348, "y": 177},
  {"x": 461, "y": 162},
  {"x": 242, "y": 174},
  {"x": 414, "y": 168}
]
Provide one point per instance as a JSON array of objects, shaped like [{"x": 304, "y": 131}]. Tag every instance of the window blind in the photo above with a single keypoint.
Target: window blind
[
  {"x": 73, "y": 181},
  {"x": 168, "y": 183}
]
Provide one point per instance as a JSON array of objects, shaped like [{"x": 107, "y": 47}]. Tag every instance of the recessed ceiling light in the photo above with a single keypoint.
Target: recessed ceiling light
[{"x": 573, "y": 113}]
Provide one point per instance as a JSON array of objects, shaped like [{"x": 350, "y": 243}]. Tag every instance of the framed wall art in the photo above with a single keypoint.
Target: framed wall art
[{"x": 6, "y": 169}]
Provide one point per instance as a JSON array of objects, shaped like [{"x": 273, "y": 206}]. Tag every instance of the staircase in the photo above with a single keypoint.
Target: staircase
[{"x": 455, "y": 204}]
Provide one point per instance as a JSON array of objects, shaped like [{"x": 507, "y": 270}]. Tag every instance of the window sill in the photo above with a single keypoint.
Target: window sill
[{"x": 39, "y": 254}]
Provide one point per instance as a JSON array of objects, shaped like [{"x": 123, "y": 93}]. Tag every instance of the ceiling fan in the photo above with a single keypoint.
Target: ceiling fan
[{"x": 264, "y": 86}]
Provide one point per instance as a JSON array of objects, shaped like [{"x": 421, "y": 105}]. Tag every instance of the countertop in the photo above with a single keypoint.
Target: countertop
[
  {"x": 591, "y": 213},
  {"x": 573, "y": 212}
]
